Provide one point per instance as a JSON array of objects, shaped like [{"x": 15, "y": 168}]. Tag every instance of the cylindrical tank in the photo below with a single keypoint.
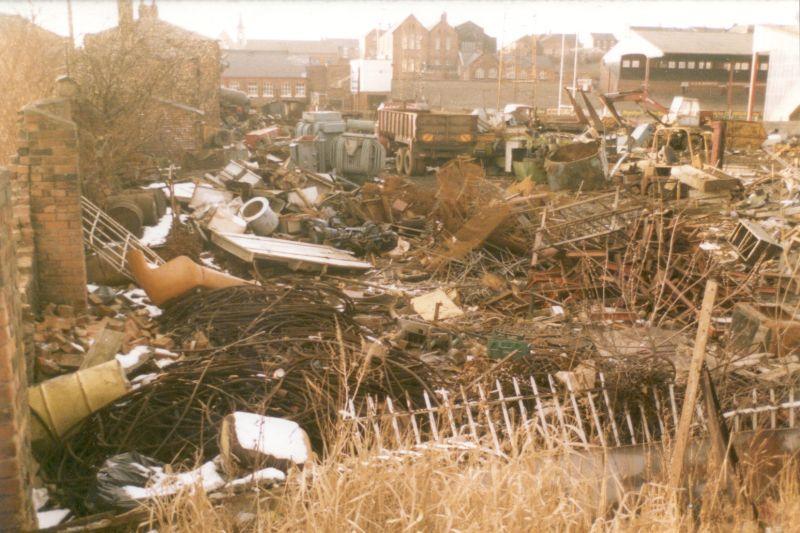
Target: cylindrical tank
[
  {"x": 127, "y": 213},
  {"x": 62, "y": 402},
  {"x": 575, "y": 166},
  {"x": 358, "y": 155},
  {"x": 259, "y": 216}
]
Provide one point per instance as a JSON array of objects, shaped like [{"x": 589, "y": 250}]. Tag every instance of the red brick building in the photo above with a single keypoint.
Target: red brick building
[
  {"x": 483, "y": 67},
  {"x": 442, "y": 61},
  {"x": 370, "y": 48},
  {"x": 265, "y": 76}
]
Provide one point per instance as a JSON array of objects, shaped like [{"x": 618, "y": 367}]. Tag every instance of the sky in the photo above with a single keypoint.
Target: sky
[{"x": 506, "y": 20}]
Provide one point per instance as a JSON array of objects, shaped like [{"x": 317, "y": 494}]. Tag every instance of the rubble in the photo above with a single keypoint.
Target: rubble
[{"x": 324, "y": 287}]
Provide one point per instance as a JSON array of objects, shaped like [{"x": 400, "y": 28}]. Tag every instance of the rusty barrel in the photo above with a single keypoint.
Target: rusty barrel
[
  {"x": 575, "y": 166},
  {"x": 127, "y": 213}
]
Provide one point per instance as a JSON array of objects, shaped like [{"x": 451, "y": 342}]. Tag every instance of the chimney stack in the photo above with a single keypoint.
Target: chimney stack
[{"x": 125, "y": 13}]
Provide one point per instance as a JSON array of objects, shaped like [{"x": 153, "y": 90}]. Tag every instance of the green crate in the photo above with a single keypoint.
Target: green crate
[{"x": 501, "y": 347}]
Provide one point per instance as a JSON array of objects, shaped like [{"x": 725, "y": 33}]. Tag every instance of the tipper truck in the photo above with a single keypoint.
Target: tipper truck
[{"x": 420, "y": 137}]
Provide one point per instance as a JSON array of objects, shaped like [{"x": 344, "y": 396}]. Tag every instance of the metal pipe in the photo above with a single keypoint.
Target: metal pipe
[
  {"x": 561, "y": 73},
  {"x": 751, "y": 95},
  {"x": 575, "y": 67}
]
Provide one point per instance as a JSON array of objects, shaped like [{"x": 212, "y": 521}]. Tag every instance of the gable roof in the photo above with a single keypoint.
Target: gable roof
[
  {"x": 8, "y": 22},
  {"x": 407, "y": 19},
  {"x": 261, "y": 64},
  {"x": 322, "y": 46},
  {"x": 697, "y": 40}
]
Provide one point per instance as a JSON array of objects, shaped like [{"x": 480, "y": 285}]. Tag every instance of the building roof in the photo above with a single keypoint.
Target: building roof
[
  {"x": 323, "y": 46},
  {"x": 261, "y": 64},
  {"x": 158, "y": 27},
  {"x": 698, "y": 41},
  {"x": 469, "y": 25},
  {"x": 10, "y": 21},
  {"x": 656, "y": 42}
]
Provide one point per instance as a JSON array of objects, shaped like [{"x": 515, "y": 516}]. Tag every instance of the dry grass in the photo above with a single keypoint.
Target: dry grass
[{"x": 446, "y": 490}]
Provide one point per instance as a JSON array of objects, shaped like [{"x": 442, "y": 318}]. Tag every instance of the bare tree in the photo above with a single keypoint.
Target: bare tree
[
  {"x": 30, "y": 61},
  {"x": 123, "y": 78}
]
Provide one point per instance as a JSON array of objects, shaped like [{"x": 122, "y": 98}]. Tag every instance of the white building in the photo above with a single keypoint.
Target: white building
[
  {"x": 782, "y": 97},
  {"x": 370, "y": 75}
]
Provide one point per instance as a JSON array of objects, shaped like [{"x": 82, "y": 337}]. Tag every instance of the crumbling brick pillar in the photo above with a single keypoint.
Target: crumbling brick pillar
[
  {"x": 48, "y": 157},
  {"x": 16, "y": 513}
]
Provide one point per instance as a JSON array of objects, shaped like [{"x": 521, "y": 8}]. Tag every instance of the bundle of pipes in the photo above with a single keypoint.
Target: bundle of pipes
[{"x": 290, "y": 352}]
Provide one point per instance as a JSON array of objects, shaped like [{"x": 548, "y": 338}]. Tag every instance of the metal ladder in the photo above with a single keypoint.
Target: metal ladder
[{"x": 109, "y": 240}]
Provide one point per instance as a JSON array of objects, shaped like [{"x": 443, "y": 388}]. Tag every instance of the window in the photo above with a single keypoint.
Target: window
[
  {"x": 708, "y": 64},
  {"x": 626, "y": 63},
  {"x": 405, "y": 42},
  {"x": 726, "y": 66},
  {"x": 671, "y": 64},
  {"x": 437, "y": 43},
  {"x": 234, "y": 84},
  {"x": 286, "y": 89},
  {"x": 419, "y": 42},
  {"x": 479, "y": 75},
  {"x": 690, "y": 64},
  {"x": 523, "y": 75},
  {"x": 635, "y": 63},
  {"x": 510, "y": 74},
  {"x": 681, "y": 64},
  {"x": 252, "y": 89},
  {"x": 763, "y": 66},
  {"x": 493, "y": 73},
  {"x": 447, "y": 43},
  {"x": 300, "y": 89},
  {"x": 269, "y": 89}
]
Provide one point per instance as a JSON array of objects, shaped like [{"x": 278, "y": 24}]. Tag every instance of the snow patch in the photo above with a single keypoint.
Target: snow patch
[
  {"x": 157, "y": 235},
  {"x": 282, "y": 439},
  {"x": 266, "y": 474},
  {"x": 51, "y": 518},
  {"x": 133, "y": 358},
  {"x": 163, "y": 484}
]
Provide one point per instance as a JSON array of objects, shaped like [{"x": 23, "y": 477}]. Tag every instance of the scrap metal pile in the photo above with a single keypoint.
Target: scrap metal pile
[{"x": 339, "y": 296}]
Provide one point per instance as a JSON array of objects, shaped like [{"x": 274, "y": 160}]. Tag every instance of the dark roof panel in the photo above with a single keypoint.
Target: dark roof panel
[{"x": 261, "y": 64}]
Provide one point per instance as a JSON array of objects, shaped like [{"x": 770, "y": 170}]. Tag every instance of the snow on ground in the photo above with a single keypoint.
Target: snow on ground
[
  {"x": 51, "y": 518},
  {"x": 163, "y": 484},
  {"x": 139, "y": 297},
  {"x": 266, "y": 474},
  {"x": 157, "y": 235},
  {"x": 133, "y": 358}
]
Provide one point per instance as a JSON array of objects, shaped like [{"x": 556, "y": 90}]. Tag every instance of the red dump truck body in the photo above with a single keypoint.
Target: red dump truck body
[{"x": 420, "y": 137}]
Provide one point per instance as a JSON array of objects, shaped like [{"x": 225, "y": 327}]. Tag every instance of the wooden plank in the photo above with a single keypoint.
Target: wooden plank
[
  {"x": 704, "y": 181},
  {"x": 693, "y": 382},
  {"x": 104, "y": 347},
  {"x": 250, "y": 247}
]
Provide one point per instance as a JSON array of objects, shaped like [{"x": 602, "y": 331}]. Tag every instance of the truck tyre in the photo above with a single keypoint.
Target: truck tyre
[
  {"x": 419, "y": 167},
  {"x": 400, "y": 160},
  {"x": 411, "y": 164}
]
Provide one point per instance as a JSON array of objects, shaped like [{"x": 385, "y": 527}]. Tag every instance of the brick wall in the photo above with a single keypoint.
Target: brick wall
[
  {"x": 47, "y": 159},
  {"x": 15, "y": 504},
  {"x": 474, "y": 93}
]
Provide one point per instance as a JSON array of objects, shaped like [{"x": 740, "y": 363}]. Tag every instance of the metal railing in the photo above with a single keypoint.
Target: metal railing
[
  {"x": 555, "y": 415},
  {"x": 110, "y": 240}
]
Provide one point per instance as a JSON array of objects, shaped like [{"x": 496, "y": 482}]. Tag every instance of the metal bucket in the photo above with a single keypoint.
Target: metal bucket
[
  {"x": 62, "y": 402},
  {"x": 259, "y": 216},
  {"x": 575, "y": 166}
]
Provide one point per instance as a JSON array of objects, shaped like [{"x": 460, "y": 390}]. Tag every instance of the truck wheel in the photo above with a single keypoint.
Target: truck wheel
[
  {"x": 400, "y": 160},
  {"x": 408, "y": 163},
  {"x": 419, "y": 167}
]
